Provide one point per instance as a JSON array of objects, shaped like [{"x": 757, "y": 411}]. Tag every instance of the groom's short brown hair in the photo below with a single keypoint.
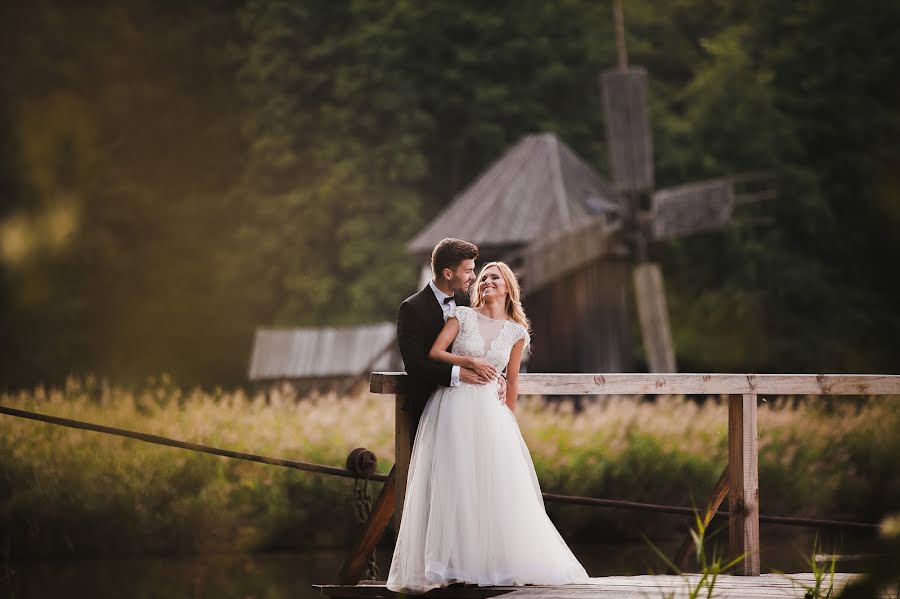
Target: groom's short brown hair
[{"x": 449, "y": 252}]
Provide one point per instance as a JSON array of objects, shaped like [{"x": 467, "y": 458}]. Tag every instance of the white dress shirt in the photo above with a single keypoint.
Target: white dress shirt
[{"x": 446, "y": 309}]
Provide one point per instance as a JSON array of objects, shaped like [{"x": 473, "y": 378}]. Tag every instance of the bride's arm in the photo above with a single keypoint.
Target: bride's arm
[
  {"x": 512, "y": 374},
  {"x": 439, "y": 352}
]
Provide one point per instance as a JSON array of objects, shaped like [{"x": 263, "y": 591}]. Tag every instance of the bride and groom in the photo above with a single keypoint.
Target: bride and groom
[{"x": 473, "y": 511}]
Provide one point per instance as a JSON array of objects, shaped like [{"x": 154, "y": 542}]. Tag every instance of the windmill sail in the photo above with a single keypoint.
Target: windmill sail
[{"x": 628, "y": 128}]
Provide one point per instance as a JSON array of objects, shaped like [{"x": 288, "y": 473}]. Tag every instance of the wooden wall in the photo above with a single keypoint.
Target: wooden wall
[{"x": 581, "y": 322}]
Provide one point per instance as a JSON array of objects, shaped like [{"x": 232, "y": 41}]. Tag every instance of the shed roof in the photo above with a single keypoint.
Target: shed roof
[
  {"x": 322, "y": 352},
  {"x": 540, "y": 185}
]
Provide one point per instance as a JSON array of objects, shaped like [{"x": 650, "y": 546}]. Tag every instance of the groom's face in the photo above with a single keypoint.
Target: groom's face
[{"x": 462, "y": 276}]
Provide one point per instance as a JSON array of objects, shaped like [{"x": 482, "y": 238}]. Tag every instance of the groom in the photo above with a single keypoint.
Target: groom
[{"x": 421, "y": 318}]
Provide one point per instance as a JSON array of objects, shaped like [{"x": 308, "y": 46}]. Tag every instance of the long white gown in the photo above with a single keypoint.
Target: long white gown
[{"x": 473, "y": 510}]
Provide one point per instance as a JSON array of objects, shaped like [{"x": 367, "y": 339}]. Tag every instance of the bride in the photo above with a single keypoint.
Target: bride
[{"x": 473, "y": 511}]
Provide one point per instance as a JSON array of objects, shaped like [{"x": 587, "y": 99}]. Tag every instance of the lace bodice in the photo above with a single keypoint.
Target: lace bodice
[{"x": 483, "y": 337}]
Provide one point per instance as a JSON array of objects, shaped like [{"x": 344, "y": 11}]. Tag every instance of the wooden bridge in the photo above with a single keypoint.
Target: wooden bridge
[
  {"x": 739, "y": 481},
  {"x": 625, "y": 587}
]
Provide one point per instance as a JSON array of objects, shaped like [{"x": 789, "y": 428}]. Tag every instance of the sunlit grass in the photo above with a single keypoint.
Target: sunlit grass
[{"x": 64, "y": 490}]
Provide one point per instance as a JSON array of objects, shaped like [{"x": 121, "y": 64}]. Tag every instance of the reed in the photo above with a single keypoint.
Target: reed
[{"x": 64, "y": 491}]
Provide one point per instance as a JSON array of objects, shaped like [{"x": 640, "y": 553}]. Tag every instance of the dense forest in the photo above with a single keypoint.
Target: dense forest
[{"x": 174, "y": 174}]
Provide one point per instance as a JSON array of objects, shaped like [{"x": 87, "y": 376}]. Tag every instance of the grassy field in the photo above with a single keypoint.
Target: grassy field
[{"x": 65, "y": 492}]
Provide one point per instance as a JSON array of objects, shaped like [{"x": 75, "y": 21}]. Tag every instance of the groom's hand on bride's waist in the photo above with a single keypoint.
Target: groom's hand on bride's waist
[{"x": 467, "y": 375}]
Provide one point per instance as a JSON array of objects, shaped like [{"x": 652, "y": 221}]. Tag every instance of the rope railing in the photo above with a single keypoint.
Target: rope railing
[
  {"x": 158, "y": 440},
  {"x": 689, "y": 511},
  {"x": 348, "y": 473}
]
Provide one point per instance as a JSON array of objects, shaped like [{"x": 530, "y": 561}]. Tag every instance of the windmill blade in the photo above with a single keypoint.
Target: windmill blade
[
  {"x": 706, "y": 205},
  {"x": 628, "y": 128},
  {"x": 692, "y": 208},
  {"x": 653, "y": 316}
]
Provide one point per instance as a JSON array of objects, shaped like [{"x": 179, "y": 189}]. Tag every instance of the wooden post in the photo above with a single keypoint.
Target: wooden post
[
  {"x": 743, "y": 477},
  {"x": 403, "y": 435},
  {"x": 390, "y": 500},
  {"x": 374, "y": 527}
]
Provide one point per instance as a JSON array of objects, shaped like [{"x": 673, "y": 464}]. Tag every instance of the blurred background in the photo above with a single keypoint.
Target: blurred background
[{"x": 175, "y": 174}]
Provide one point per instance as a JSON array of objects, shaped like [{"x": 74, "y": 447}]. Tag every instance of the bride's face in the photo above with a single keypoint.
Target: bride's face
[{"x": 492, "y": 284}]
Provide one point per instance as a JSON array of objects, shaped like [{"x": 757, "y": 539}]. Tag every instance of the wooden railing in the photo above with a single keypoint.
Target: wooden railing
[{"x": 739, "y": 481}]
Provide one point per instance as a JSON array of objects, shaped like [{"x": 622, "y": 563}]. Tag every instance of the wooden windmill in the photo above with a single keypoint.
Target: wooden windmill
[
  {"x": 578, "y": 242},
  {"x": 674, "y": 212}
]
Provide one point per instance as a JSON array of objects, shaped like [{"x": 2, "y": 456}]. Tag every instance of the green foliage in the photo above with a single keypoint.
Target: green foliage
[
  {"x": 173, "y": 175},
  {"x": 823, "y": 574},
  {"x": 66, "y": 492},
  {"x": 710, "y": 566},
  {"x": 822, "y": 571},
  {"x": 327, "y": 201},
  {"x": 794, "y": 89}
]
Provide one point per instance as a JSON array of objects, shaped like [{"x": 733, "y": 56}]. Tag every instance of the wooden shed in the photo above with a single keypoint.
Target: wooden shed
[
  {"x": 323, "y": 358},
  {"x": 522, "y": 210}
]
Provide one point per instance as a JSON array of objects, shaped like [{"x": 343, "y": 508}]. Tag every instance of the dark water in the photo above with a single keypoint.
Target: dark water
[{"x": 283, "y": 575}]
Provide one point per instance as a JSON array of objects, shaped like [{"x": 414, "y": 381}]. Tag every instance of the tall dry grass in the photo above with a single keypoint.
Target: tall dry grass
[{"x": 64, "y": 491}]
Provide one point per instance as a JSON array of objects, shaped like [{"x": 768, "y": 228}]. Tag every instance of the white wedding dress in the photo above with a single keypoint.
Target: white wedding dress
[{"x": 473, "y": 510}]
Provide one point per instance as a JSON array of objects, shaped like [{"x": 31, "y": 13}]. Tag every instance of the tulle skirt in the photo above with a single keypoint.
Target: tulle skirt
[{"x": 473, "y": 510}]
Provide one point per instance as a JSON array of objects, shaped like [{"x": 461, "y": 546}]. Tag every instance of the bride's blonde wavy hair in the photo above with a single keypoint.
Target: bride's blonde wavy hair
[{"x": 514, "y": 310}]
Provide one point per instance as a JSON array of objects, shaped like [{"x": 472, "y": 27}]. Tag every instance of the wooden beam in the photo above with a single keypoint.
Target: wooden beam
[
  {"x": 653, "y": 315},
  {"x": 686, "y": 384},
  {"x": 715, "y": 499},
  {"x": 743, "y": 479},
  {"x": 403, "y": 435},
  {"x": 556, "y": 254},
  {"x": 355, "y": 564}
]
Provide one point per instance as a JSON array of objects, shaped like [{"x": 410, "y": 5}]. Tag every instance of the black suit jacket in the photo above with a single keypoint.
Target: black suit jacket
[{"x": 419, "y": 321}]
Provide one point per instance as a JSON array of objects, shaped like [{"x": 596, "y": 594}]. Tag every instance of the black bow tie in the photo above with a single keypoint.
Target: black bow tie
[{"x": 449, "y": 299}]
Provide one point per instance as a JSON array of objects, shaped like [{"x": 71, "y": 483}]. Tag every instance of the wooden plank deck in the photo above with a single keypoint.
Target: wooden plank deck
[
  {"x": 644, "y": 587},
  {"x": 743, "y": 451}
]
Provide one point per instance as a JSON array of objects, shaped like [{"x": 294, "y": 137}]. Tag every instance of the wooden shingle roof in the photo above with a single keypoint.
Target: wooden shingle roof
[
  {"x": 539, "y": 186},
  {"x": 323, "y": 351}
]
